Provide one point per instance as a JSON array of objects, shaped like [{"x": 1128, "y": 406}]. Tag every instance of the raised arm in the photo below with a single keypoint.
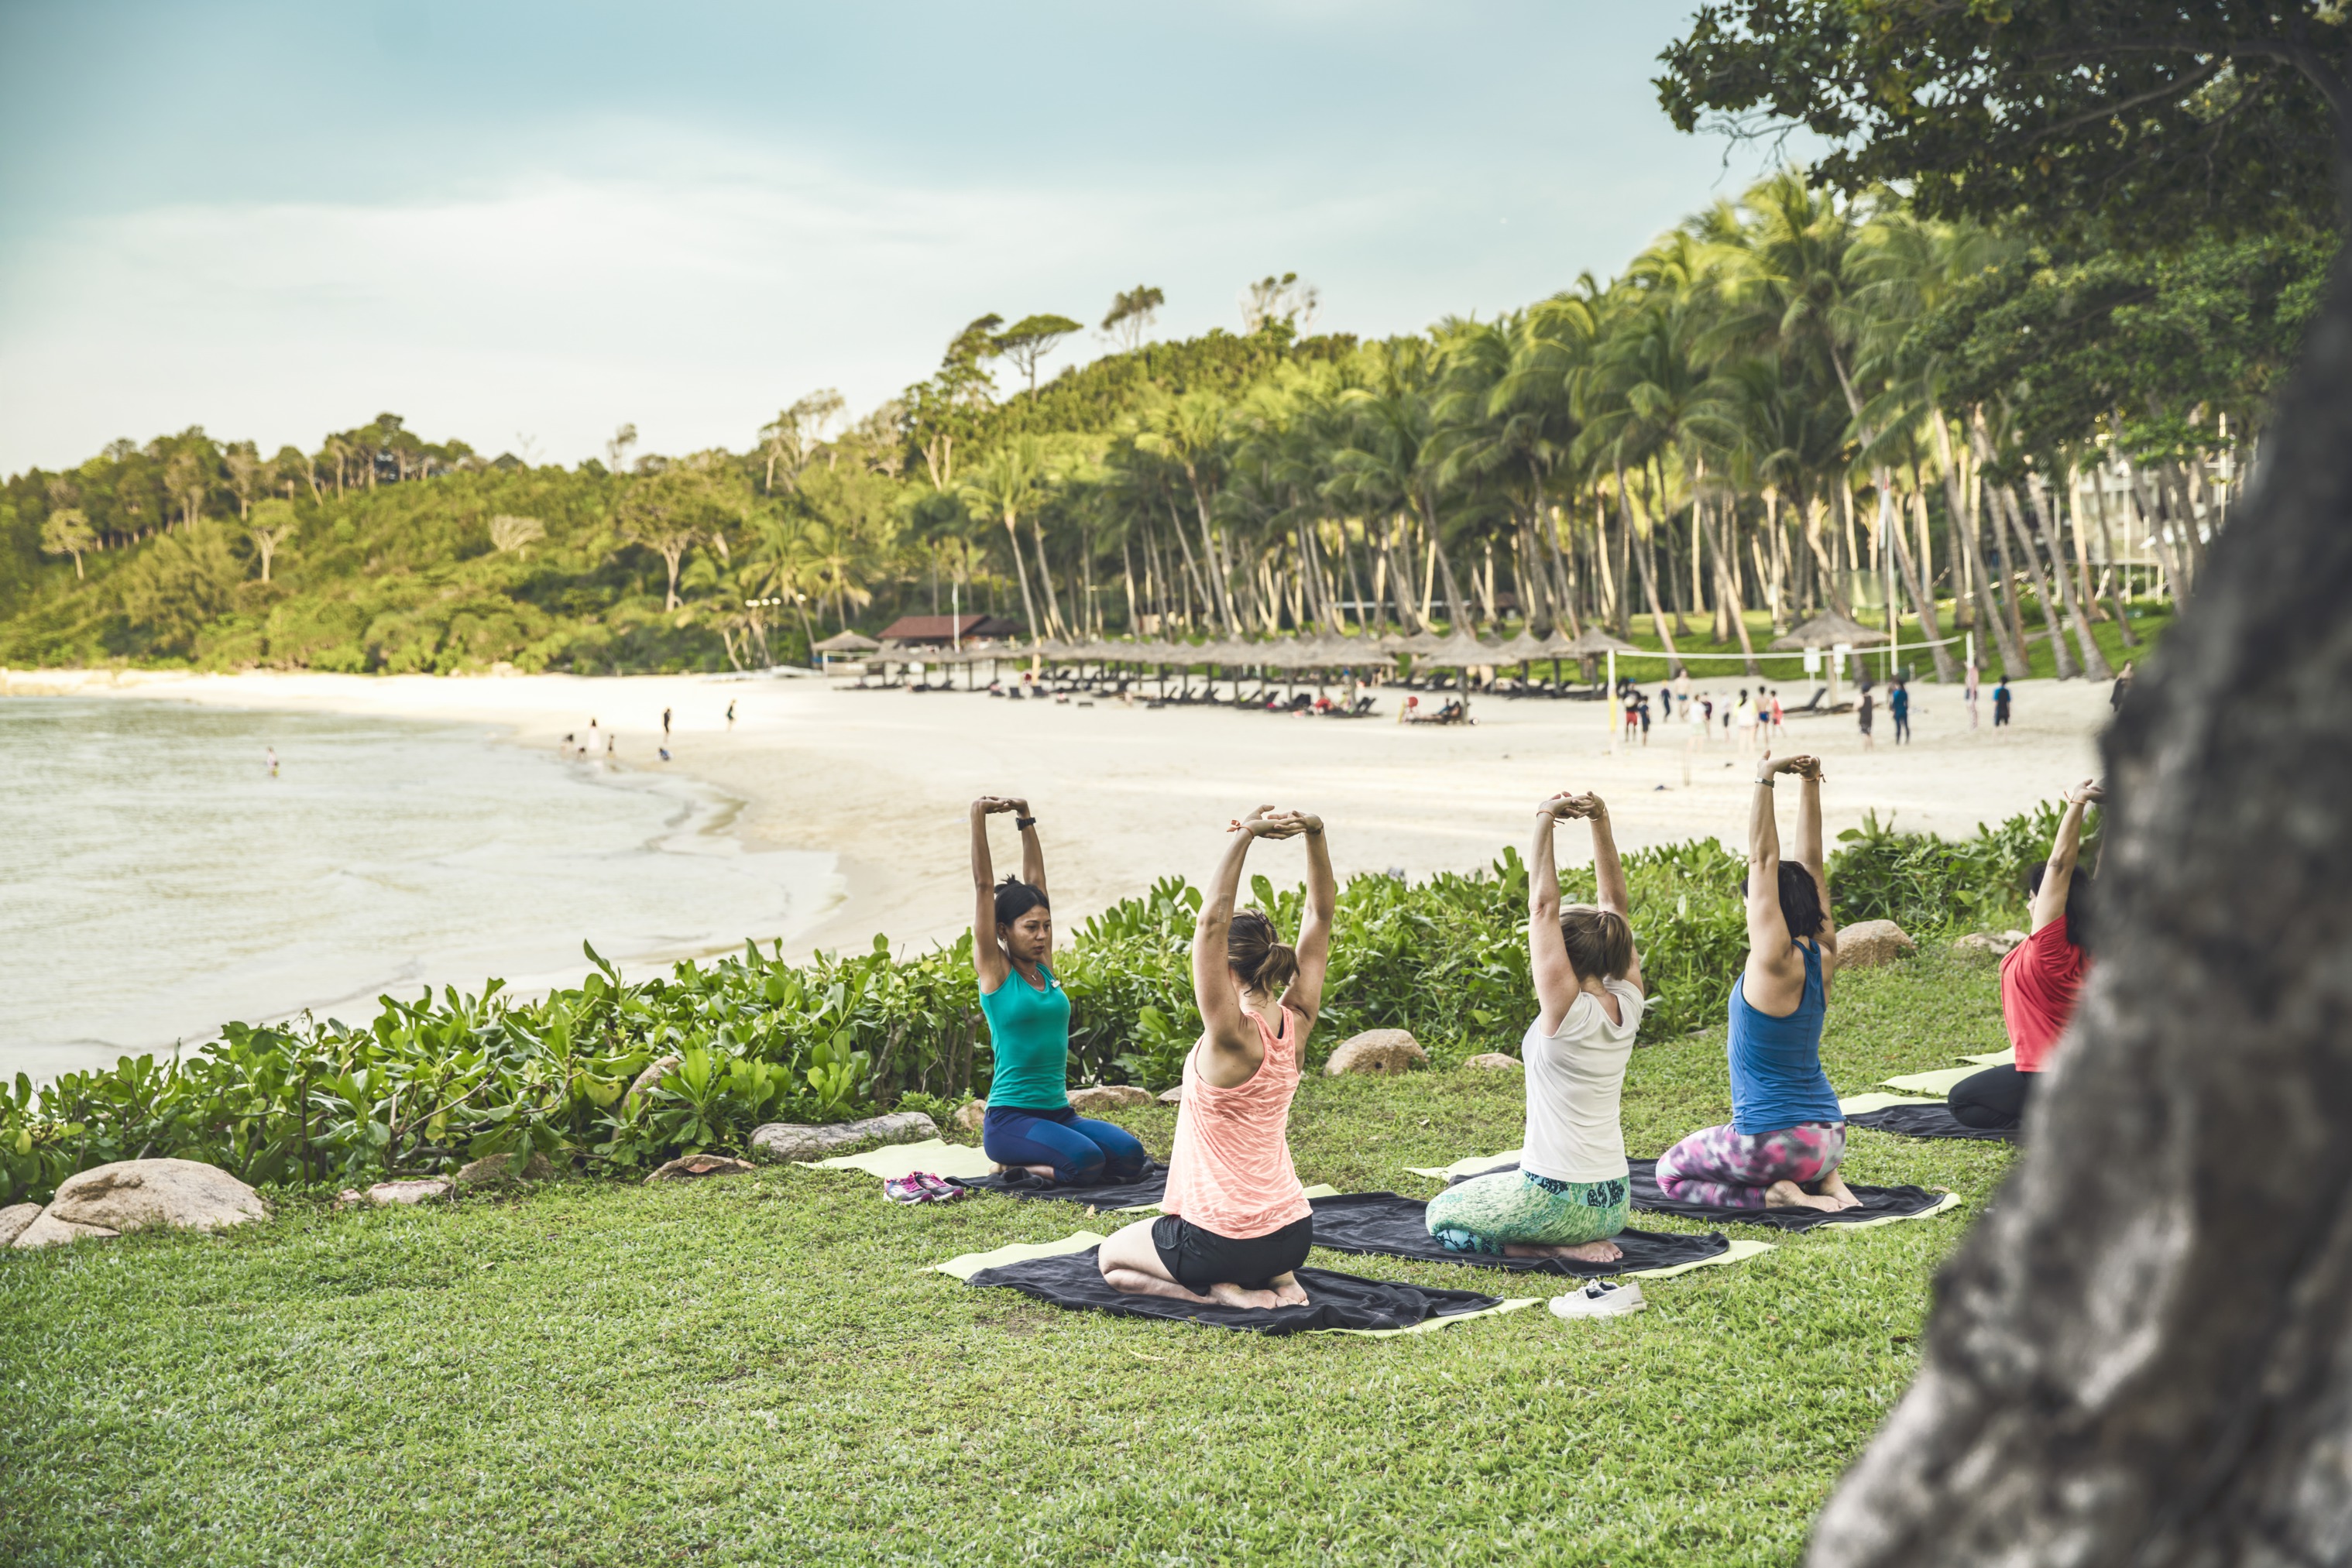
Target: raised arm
[
  {"x": 987, "y": 955},
  {"x": 1609, "y": 877},
  {"x": 1305, "y": 995},
  {"x": 1033, "y": 851},
  {"x": 1213, "y": 979},
  {"x": 1809, "y": 848},
  {"x": 1555, "y": 977},
  {"x": 2058, "y": 874},
  {"x": 1767, "y": 931}
]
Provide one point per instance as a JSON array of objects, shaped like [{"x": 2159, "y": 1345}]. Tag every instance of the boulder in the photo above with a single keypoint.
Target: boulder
[
  {"x": 1495, "y": 1062},
  {"x": 14, "y": 1218},
  {"x": 656, "y": 1070},
  {"x": 424, "y": 1189},
  {"x": 48, "y": 1230},
  {"x": 133, "y": 1195},
  {"x": 492, "y": 1170},
  {"x": 1106, "y": 1096},
  {"x": 783, "y": 1141},
  {"x": 1378, "y": 1050},
  {"x": 1995, "y": 942},
  {"x": 973, "y": 1115},
  {"x": 689, "y": 1167},
  {"x": 1870, "y": 943},
  {"x": 1172, "y": 1096}
]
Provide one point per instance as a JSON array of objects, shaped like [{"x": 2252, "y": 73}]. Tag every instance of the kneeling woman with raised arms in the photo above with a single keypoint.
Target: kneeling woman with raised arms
[
  {"x": 1787, "y": 1135},
  {"x": 1570, "y": 1193},
  {"x": 1030, "y": 1125},
  {"x": 1235, "y": 1222}
]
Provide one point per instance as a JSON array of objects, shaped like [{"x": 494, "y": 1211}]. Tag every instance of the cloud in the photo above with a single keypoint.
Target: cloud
[{"x": 564, "y": 303}]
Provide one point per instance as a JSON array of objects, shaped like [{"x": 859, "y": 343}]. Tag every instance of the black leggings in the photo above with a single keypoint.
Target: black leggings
[{"x": 1992, "y": 1100}]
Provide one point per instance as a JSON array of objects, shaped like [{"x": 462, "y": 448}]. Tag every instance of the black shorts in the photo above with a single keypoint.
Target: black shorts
[{"x": 1197, "y": 1258}]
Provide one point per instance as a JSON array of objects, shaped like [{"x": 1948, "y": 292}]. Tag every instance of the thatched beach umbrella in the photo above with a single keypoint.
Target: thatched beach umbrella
[{"x": 1827, "y": 630}]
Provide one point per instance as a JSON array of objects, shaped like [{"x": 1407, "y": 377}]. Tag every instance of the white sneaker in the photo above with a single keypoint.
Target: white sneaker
[{"x": 1600, "y": 1299}]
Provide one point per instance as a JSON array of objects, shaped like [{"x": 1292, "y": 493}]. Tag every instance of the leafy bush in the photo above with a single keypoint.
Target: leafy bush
[{"x": 430, "y": 1084}]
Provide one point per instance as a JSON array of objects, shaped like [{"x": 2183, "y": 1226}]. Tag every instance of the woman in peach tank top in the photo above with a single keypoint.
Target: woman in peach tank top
[{"x": 1235, "y": 1223}]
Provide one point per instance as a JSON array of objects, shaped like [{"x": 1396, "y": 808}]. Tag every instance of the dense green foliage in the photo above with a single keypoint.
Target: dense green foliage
[
  {"x": 1788, "y": 405},
  {"x": 429, "y": 1085},
  {"x": 759, "y": 1370}
]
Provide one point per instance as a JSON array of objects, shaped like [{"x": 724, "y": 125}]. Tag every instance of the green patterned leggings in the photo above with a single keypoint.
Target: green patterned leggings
[{"x": 1484, "y": 1213}]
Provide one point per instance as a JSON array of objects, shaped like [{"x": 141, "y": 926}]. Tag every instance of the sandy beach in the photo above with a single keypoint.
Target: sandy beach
[{"x": 882, "y": 777}]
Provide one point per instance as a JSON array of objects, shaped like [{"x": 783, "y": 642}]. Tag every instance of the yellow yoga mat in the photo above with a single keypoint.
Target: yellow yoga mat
[
  {"x": 1471, "y": 1166},
  {"x": 969, "y": 1263},
  {"x": 1995, "y": 1058},
  {"x": 1855, "y": 1104},
  {"x": 1939, "y": 1083},
  {"x": 903, "y": 1159}
]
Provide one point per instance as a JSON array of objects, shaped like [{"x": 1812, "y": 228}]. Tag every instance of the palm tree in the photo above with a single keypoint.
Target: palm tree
[{"x": 1010, "y": 483}]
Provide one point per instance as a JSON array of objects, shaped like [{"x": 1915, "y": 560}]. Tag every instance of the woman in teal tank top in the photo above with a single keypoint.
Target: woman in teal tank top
[{"x": 1030, "y": 1125}]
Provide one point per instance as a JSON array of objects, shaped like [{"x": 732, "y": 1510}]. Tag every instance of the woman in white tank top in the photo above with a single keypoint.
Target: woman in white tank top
[{"x": 1569, "y": 1194}]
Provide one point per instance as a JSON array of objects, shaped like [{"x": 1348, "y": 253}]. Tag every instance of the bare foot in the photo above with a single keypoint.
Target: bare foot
[
  {"x": 1046, "y": 1171},
  {"x": 1788, "y": 1194},
  {"x": 1289, "y": 1291},
  {"x": 1833, "y": 1188},
  {"x": 1234, "y": 1296},
  {"x": 1584, "y": 1253}
]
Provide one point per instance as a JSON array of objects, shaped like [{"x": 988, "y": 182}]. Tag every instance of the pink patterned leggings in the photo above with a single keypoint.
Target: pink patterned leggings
[{"x": 1731, "y": 1169}]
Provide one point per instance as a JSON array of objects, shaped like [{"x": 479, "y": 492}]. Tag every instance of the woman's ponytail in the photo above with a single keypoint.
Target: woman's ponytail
[{"x": 1263, "y": 963}]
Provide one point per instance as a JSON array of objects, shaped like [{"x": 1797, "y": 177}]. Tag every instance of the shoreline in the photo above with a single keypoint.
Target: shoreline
[{"x": 881, "y": 779}]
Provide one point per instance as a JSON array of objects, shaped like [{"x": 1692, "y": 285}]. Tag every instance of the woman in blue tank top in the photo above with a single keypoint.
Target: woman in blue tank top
[
  {"x": 1786, "y": 1134},
  {"x": 1030, "y": 1123}
]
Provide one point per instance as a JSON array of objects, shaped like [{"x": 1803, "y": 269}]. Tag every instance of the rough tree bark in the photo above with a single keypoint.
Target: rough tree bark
[{"x": 2143, "y": 1354}]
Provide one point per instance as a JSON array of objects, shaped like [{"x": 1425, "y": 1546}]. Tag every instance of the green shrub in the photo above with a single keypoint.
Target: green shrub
[{"x": 429, "y": 1084}]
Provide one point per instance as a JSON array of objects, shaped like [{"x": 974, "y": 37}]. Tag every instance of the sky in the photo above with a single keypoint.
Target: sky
[{"x": 523, "y": 223}]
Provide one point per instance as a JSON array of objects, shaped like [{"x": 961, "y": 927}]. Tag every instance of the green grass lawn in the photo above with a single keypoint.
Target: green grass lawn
[{"x": 761, "y": 1370}]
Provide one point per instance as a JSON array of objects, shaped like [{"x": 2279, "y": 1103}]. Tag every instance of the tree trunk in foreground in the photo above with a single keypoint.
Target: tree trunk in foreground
[{"x": 2143, "y": 1354}]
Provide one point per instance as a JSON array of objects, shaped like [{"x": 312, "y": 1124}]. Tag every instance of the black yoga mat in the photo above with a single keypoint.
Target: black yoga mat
[
  {"x": 1877, "y": 1203},
  {"x": 1384, "y": 1223},
  {"x": 1927, "y": 1122},
  {"x": 1333, "y": 1300},
  {"x": 1149, "y": 1187}
]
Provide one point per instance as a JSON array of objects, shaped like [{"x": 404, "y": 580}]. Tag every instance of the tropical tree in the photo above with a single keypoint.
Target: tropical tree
[
  {"x": 67, "y": 532},
  {"x": 270, "y": 525},
  {"x": 1028, "y": 340}
]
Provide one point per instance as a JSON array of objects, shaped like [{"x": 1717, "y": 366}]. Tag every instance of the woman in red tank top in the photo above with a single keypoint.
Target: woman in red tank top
[{"x": 1235, "y": 1222}]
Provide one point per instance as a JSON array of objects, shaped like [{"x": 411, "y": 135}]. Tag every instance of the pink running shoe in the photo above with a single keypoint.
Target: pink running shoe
[
  {"x": 907, "y": 1189},
  {"x": 941, "y": 1189}
]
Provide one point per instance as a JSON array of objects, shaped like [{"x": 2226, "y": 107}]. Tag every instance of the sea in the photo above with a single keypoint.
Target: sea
[{"x": 158, "y": 877}]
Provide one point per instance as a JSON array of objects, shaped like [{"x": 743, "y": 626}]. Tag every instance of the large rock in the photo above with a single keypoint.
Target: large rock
[
  {"x": 784, "y": 1141},
  {"x": 970, "y": 1117},
  {"x": 656, "y": 1070},
  {"x": 1870, "y": 943},
  {"x": 1379, "y": 1051},
  {"x": 1495, "y": 1062},
  {"x": 689, "y": 1167},
  {"x": 1107, "y": 1096},
  {"x": 134, "y": 1195},
  {"x": 494, "y": 1170},
  {"x": 425, "y": 1190},
  {"x": 1997, "y": 943},
  {"x": 48, "y": 1230},
  {"x": 14, "y": 1218}
]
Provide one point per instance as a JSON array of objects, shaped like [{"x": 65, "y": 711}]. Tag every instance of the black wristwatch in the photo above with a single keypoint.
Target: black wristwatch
[{"x": 1023, "y": 824}]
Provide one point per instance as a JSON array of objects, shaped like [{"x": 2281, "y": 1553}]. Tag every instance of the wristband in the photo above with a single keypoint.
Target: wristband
[
  {"x": 1024, "y": 823},
  {"x": 1766, "y": 781}
]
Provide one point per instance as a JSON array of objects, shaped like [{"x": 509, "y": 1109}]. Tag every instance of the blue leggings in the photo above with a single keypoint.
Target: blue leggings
[{"x": 1083, "y": 1152}]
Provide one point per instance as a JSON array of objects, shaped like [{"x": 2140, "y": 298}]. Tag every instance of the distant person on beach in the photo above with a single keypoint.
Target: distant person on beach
[
  {"x": 2001, "y": 703},
  {"x": 1969, "y": 696},
  {"x": 1898, "y": 702},
  {"x": 270, "y": 752},
  {"x": 730, "y": 715},
  {"x": 1863, "y": 712},
  {"x": 594, "y": 735},
  {"x": 1665, "y": 704},
  {"x": 1235, "y": 1224},
  {"x": 2041, "y": 979},
  {"x": 665, "y": 724},
  {"x": 665, "y": 753},
  {"x": 1787, "y": 1135},
  {"x": 1570, "y": 1193},
  {"x": 1030, "y": 1125}
]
